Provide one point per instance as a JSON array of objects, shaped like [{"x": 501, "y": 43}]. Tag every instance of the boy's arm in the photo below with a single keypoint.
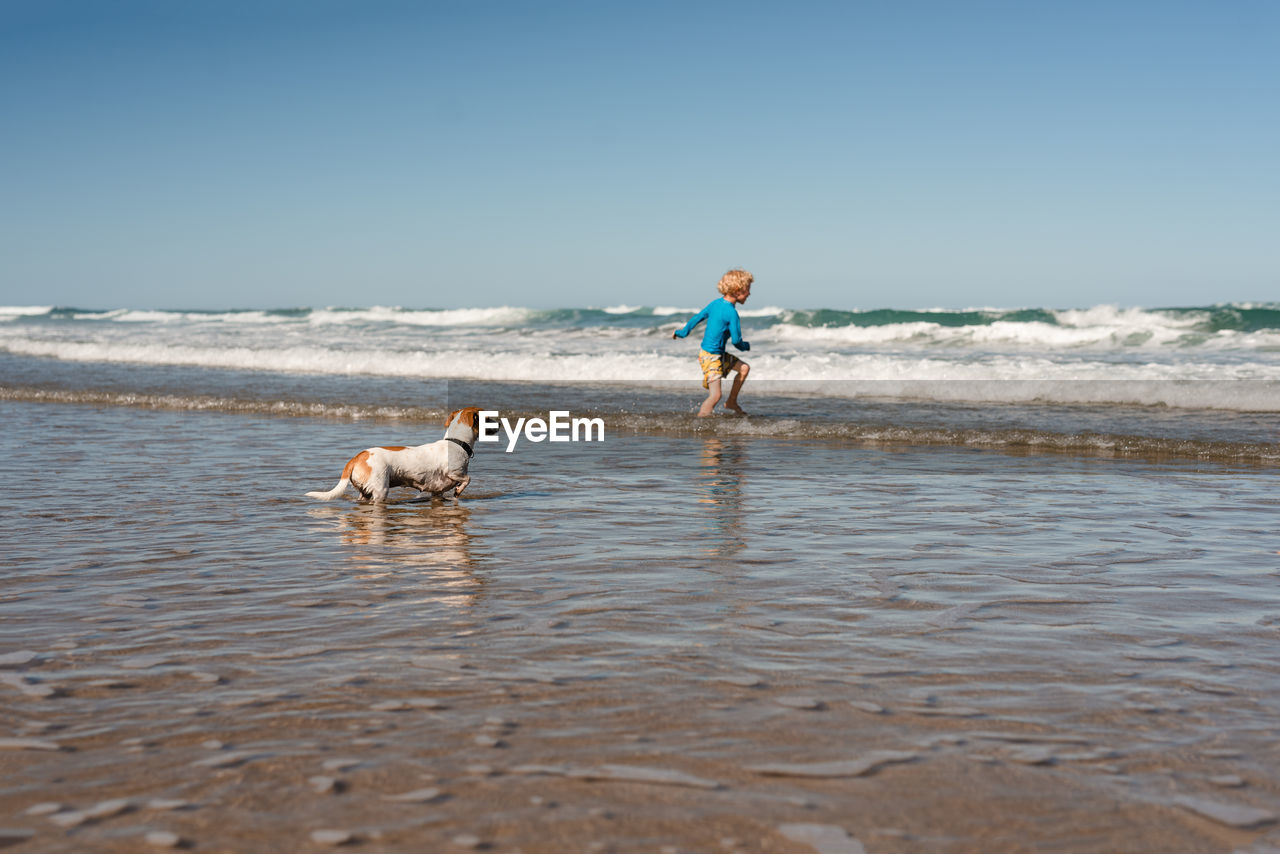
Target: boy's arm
[
  {"x": 693, "y": 322},
  {"x": 735, "y": 332}
]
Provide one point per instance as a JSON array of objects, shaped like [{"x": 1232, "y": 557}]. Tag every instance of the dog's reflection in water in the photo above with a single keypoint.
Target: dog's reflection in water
[{"x": 427, "y": 536}]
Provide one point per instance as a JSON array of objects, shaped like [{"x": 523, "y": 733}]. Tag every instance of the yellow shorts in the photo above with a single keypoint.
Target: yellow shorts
[{"x": 716, "y": 365}]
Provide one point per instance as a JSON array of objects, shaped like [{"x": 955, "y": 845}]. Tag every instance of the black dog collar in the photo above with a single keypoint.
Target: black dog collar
[{"x": 461, "y": 444}]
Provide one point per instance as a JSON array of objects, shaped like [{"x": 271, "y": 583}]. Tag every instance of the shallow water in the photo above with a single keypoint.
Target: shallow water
[
  {"x": 1006, "y": 652},
  {"x": 862, "y": 414}
]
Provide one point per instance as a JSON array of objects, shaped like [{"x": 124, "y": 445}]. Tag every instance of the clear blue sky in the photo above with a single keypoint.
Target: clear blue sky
[{"x": 218, "y": 153}]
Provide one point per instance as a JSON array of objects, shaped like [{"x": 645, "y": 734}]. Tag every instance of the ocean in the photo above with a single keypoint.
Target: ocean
[
  {"x": 1197, "y": 382},
  {"x": 963, "y": 581}
]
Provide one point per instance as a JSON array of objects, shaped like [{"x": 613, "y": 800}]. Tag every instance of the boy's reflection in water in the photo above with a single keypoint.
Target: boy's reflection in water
[{"x": 719, "y": 482}]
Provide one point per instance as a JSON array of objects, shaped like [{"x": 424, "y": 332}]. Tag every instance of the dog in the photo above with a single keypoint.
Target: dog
[{"x": 436, "y": 467}]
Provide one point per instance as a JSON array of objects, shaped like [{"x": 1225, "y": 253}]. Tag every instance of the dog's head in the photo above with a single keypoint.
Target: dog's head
[{"x": 468, "y": 418}]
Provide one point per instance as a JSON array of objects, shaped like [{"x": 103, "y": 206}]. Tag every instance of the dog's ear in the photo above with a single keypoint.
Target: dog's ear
[{"x": 449, "y": 420}]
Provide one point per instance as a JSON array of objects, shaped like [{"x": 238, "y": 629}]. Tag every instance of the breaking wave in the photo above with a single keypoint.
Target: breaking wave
[{"x": 1211, "y": 357}]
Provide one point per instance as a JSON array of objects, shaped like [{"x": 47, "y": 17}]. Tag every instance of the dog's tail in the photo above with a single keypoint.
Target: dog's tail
[
  {"x": 342, "y": 484},
  {"x": 333, "y": 493}
]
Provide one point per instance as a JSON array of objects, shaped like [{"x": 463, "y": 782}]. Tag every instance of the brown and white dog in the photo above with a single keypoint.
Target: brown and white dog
[{"x": 435, "y": 467}]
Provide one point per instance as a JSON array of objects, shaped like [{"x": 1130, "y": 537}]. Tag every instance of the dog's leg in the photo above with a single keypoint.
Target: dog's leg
[
  {"x": 460, "y": 485},
  {"x": 378, "y": 482}
]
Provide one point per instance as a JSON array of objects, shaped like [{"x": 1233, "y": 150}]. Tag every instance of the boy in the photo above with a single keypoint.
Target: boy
[{"x": 722, "y": 325}]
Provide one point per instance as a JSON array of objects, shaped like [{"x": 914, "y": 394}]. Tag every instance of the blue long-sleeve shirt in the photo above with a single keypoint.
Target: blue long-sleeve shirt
[{"x": 722, "y": 325}]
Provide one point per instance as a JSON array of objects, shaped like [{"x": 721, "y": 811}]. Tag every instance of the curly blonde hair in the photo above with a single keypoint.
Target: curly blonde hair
[{"x": 735, "y": 282}]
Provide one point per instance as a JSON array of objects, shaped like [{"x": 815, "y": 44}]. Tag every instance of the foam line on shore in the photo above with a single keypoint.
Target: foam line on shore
[{"x": 1011, "y": 440}]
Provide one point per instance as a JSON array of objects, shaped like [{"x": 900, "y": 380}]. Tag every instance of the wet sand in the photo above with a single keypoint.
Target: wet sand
[{"x": 653, "y": 644}]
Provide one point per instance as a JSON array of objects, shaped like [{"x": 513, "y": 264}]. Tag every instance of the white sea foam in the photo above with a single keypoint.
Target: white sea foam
[
  {"x": 194, "y": 318},
  {"x": 1023, "y": 336},
  {"x": 1102, "y": 354},
  {"x": 110, "y": 314},
  {"x": 1115, "y": 316},
  {"x": 8, "y": 312},
  {"x": 767, "y": 311},
  {"x": 622, "y": 309},
  {"x": 137, "y": 316},
  {"x": 996, "y": 378},
  {"x": 891, "y": 332},
  {"x": 539, "y": 366},
  {"x": 500, "y": 316},
  {"x": 252, "y": 318}
]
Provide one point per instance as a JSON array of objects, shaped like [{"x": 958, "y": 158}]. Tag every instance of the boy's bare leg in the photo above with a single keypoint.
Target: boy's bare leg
[
  {"x": 713, "y": 397},
  {"x": 731, "y": 402}
]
